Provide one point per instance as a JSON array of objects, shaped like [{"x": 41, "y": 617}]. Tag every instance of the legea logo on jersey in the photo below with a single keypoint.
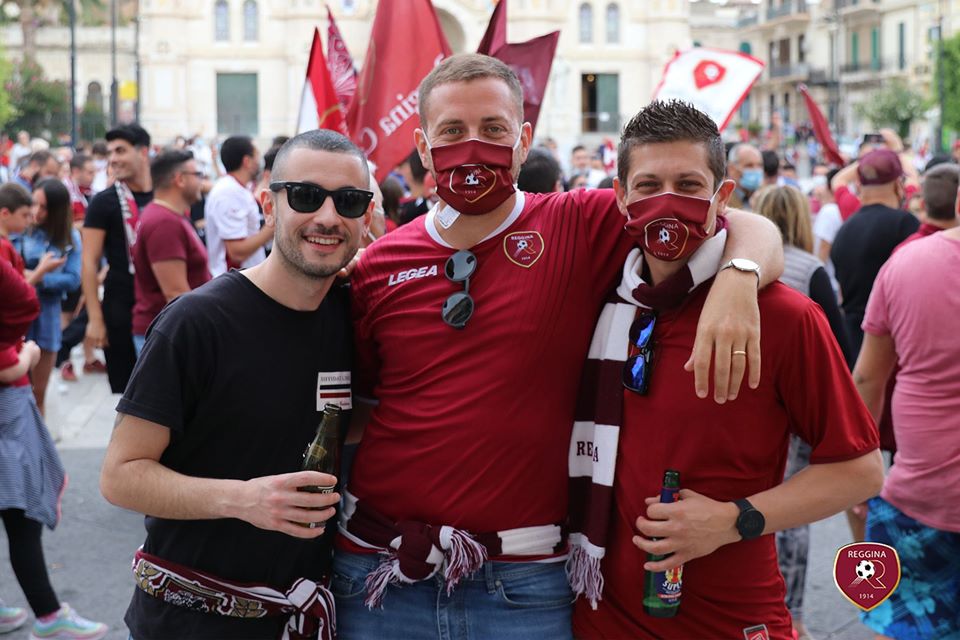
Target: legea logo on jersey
[
  {"x": 412, "y": 274},
  {"x": 523, "y": 248},
  {"x": 866, "y": 573},
  {"x": 472, "y": 181}
]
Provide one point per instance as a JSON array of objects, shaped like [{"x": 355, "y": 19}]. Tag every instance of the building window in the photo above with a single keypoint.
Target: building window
[
  {"x": 801, "y": 48},
  {"x": 875, "y": 49},
  {"x": 221, "y": 21},
  {"x": 902, "y": 45},
  {"x": 786, "y": 107},
  {"x": 237, "y": 104},
  {"x": 613, "y": 23},
  {"x": 746, "y": 48},
  {"x": 600, "y": 102},
  {"x": 855, "y": 51},
  {"x": 586, "y": 23},
  {"x": 773, "y": 105},
  {"x": 250, "y": 28}
]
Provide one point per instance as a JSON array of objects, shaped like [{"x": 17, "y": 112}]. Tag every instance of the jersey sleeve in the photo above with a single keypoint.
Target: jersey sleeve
[
  {"x": 168, "y": 379},
  {"x": 876, "y": 319},
  {"x": 166, "y": 241},
  {"x": 8, "y": 357},
  {"x": 819, "y": 394},
  {"x": 366, "y": 361},
  {"x": 18, "y": 305},
  {"x": 607, "y": 242},
  {"x": 230, "y": 212}
]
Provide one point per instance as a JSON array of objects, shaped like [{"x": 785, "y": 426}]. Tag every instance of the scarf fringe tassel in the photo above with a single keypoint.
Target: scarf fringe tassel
[
  {"x": 377, "y": 581},
  {"x": 465, "y": 556},
  {"x": 583, "y": 572}
]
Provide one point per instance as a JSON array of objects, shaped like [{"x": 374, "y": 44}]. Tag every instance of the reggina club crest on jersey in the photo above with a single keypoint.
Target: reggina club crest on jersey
[
  {"x": 523, "y": 248},
  {"x": 867, "y": 573}
]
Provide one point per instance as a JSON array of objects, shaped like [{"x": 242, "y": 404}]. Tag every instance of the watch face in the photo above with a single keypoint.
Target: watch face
[
  {"x": 744, "y": 265},
  {"x": 751, "y": 523}
]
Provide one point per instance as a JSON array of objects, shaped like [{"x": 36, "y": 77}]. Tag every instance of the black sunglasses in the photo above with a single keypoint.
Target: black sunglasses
[
  {"x": 304, "y": 197},
  {"x": 636, "y": 370},
  {"x": 458, "y": 308}
]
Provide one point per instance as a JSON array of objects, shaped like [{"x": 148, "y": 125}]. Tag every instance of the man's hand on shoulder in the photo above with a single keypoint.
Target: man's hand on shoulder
[{"x": 728, "y": 335}]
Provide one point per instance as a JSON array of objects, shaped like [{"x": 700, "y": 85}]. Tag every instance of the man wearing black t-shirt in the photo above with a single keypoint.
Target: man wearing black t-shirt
[
  {"x": 109, "y": 230},
  {"x": 220, "y": 407},
  {"x": 867, "y": 238}
]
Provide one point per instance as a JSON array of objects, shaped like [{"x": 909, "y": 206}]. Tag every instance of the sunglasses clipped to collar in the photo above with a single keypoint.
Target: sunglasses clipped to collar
[
  {"x": 636, "y": 370},
  {"x": 304, "y": 197}
]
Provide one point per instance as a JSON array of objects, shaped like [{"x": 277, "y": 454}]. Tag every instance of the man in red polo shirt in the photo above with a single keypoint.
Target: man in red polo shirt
[
  {"x": 731, "y": 458},
  {"x": 169, "y": 258}
]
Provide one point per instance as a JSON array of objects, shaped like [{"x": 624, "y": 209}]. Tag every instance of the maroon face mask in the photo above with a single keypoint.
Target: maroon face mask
[
  {"x": 473, "y": 176},
  {"x": 669, "y": 226}
]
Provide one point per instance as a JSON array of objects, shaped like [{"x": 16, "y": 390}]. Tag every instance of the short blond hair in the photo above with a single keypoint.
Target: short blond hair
[
  {"x": 465, "y": 67},
  {"x": 787, "y": 208}
]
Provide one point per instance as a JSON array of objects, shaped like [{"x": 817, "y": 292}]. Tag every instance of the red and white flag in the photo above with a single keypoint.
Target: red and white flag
[
  {"x": 340, "y": 64},
  {"x": 713, "y": 80},
  {"x": 319, "y": 107},
  {"x": 405, "y": 45}
]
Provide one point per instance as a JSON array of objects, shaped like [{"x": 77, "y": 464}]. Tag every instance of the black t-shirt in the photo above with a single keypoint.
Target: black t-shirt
[
  {"x": 862, "y": 245},
  {"x": 410, "y": 211},
  {"x": 104, "y": 213},
  {"x": 234, "y": 375}
]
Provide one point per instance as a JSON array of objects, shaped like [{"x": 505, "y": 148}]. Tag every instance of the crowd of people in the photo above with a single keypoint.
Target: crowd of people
[{"x": 521, "y": 352}]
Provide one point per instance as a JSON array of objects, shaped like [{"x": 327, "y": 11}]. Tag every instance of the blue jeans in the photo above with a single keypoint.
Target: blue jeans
[{"x": 503, "y": 601}]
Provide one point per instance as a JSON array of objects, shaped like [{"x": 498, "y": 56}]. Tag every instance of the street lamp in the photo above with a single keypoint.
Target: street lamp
[
  {"x": 113, "y": 62},
  {"x": 73, "y": 73}
]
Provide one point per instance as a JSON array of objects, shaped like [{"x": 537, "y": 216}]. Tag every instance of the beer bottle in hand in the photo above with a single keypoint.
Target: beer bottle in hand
[
  {"x": 323, "y": 452},
  {"x": 662, "y": 589}
]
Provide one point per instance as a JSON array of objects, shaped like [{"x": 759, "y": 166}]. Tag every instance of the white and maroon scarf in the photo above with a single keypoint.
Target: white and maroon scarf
[
  {"x": 131, "y": 219},
  {"x": 310, "y": 606},
  {"x": 596, "y": 427},
  {"x": 413, "y": 551}
]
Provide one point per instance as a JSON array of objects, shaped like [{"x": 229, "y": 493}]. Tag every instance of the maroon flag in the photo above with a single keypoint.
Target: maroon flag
[
  {"x": 383, "y": 114},
  {"x": 530, "y": 60},
  {"x": 342, "y": 72},
  {"x": 319, "y": 107},
  {"x": 821, "y": 129},
  {"x": 496, "y": 35}
]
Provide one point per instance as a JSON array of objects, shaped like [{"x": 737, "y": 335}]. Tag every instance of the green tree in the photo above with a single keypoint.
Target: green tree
[
  {"x": 950, "y": 67},
  {"x": 895, "y": 106},
  {"x": 43, "y": 106},
  {"x": 93, "y": 122},
  {"x": 7, "y": 110}
]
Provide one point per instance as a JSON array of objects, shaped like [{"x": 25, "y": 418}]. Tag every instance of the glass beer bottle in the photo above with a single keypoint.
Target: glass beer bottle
[
  {"x": 662, "y": 589},
  {"x": 323, "y": 452}
]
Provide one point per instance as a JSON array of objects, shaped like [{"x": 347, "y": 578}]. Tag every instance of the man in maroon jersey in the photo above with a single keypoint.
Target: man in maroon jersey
[
  {"x": 731, "y": 458},
  {"x": 472, "y": 323}
]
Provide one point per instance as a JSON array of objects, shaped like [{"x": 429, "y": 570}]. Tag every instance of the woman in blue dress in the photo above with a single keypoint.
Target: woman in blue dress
[{"x": 51, "y": 253}]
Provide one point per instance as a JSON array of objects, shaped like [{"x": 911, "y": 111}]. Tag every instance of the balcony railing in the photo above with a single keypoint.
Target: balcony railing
[
  {"x": 789, "y": 70},
  {"x": 786, "y": 8},
  {"x": 851, "y": 4},
  {"x": 861, "y": 67},
  {"x": 748, "y": 18}
]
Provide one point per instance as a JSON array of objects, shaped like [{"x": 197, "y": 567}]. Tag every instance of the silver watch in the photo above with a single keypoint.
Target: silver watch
[{"x": 742, "y": 264}]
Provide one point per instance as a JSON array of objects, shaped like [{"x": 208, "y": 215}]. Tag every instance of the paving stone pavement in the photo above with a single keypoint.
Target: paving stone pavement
[{"x": 89, "y": 554}]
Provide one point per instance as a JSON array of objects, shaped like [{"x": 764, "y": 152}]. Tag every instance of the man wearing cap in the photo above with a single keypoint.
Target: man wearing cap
[{"x": 867, "y": 239}]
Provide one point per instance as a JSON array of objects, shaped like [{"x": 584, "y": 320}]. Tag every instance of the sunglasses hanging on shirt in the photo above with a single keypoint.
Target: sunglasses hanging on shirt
[{"x": 458, "y": 308}]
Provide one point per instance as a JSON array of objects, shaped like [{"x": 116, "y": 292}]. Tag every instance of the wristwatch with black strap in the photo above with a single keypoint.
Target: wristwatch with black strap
[{"x": 750, "y": 522}]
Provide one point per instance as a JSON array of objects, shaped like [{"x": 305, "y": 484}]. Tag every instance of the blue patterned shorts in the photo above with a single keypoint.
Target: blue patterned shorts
[{"x": 926, "y": 605}]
